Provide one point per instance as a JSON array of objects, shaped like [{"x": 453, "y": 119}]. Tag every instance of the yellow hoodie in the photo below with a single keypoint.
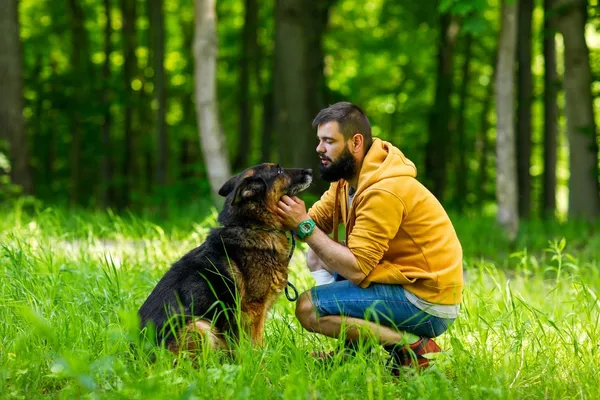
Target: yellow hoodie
[{"x": 396, "y": 228}]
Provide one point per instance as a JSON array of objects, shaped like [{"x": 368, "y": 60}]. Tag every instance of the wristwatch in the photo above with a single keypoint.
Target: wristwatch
[{"x": 305, "y": 228}]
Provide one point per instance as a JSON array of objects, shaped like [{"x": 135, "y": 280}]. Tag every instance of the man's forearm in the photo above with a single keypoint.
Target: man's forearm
[{"x": 336, "y": 256}]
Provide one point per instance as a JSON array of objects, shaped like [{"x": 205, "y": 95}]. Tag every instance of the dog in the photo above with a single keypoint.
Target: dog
[{"x": 232, "y": 279}]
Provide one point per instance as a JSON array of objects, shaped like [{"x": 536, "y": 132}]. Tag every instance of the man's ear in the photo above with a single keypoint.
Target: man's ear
[
  {"x": 228, "y": 186},
  {"x": 249, "y": 188},
  {"x": 357, "y": 142}
]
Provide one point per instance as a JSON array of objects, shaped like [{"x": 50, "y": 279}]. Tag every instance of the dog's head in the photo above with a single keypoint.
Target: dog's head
[{"x": 253, "y": 194}]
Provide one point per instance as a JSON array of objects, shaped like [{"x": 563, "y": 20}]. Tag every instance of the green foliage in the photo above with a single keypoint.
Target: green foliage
[
  {"x": 482, "y": 238},
  {"x": 8, "y": 190},
  {"x": 73, "y": 283},
  {"x": 380, "y": 54}
]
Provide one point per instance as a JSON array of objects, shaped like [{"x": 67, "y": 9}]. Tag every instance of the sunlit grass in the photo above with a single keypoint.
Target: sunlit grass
[{"x": 71, "y": 284}]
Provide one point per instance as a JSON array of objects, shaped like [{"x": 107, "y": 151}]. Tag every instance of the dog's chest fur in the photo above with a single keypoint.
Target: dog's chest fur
[{"x": 261, "y": 258}]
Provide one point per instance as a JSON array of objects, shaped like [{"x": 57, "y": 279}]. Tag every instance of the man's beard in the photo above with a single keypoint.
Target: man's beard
[{"x": 342, "y": 168}]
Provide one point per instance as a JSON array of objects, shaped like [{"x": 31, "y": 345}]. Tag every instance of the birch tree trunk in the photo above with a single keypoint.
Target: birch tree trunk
[
  {"x": 212, "y": 141},
  {"x": 584, "y": 200},
  {"x": 506, "y": 173},
  {"x": 12, "y": 121}
]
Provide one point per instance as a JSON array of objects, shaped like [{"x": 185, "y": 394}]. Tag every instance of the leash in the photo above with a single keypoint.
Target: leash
[
  {"x": 293, "y": 240},
  {"x": 289, "y": 284}
]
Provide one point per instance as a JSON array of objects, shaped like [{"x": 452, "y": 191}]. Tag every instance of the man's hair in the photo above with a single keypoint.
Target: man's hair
[{"x": 351, "y": 119}]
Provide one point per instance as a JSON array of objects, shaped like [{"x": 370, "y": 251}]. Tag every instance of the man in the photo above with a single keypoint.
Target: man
[{"x": 399, "y": 276}]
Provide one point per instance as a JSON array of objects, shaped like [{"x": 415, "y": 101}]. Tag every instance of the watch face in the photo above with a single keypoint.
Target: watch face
[{"x": 305, "y": 228}]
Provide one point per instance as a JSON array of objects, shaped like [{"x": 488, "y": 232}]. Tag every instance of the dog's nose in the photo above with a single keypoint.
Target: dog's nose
[{"x": 308, "y": 171}]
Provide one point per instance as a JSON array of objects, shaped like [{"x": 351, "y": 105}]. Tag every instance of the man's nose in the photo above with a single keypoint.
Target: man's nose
[{"x": 320, "y": 148}]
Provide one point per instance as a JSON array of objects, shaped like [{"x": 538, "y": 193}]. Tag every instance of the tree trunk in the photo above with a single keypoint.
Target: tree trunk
[
  {"x": 483, "y": 142},
  {"x": 146, "y": 119},
  {"x": 550, "y": 111},
  {"x": 249, "y": 46},
  {"x": 212, "y": 139},
  {"x": 461, "y": 150},
  {"x": 292, "y": 111},
  {"x": 79, "y": 53},
  {"x": 107, "y": 161},
  {"x": 185, "y": 160},
  {"x": 506, "y": 174},
  {"x": 53, "y": 135},
  {"x": 267, "y": 127},
  {"x": 11, "y": 100},
  {"x": 189, "y": 156},
  {"x": 315, "y": 28},
  {"x": 439, "y": 132},
  {"x": 299, "y": 80},
  {"x": 128, "y": 10},
  {"x": 39, "y": 143},
  {"x": 584, "y": 199},
  {"x": 265, "y": 89},
  {"x": 262, "y": 87},
  {"x": 525, "y": 97},
  {"x": 160, "y": 91}
]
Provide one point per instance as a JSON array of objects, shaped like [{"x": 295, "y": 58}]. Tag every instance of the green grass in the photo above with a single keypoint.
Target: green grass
[{"x": 73, "y": 281}]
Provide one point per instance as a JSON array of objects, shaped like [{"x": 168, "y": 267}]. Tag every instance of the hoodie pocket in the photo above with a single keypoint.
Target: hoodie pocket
[{"x": 389, "y": 274}]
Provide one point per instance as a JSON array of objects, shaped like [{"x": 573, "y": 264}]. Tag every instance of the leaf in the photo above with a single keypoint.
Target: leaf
[
  {"x": 456, "y": 344},
  {"x": 475, "y": 25},
  {"x": 446, "y": 5}
]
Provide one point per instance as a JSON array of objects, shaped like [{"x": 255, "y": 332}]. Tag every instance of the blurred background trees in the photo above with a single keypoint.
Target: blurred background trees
[{"x": 132, "y": 104}]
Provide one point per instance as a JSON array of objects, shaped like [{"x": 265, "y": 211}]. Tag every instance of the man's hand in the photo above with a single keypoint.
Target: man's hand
[
  {"x": 338, "y": 258},
  {"x": 291, "y": 211}
]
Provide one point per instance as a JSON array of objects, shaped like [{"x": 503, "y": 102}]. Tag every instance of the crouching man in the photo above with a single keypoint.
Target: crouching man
[{"x": 399, "y": 276}]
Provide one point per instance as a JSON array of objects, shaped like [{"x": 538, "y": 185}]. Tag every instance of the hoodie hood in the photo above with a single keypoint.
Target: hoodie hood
[{"x": 384, "y": 161}]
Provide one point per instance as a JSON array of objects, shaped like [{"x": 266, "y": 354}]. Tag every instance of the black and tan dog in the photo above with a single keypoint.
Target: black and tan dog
[{"x": 242, "y": 266}]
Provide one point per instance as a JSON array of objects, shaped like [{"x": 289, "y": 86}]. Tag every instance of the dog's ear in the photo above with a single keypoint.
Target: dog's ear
[
  {"x": 248, "y": 188},
  {"x": 228, "y": 186}
]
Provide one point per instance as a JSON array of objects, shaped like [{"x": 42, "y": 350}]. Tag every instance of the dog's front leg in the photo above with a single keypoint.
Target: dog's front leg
[{"x": 257, "y": 313}]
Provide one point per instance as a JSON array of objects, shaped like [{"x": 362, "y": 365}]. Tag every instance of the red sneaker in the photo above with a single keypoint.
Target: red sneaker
[{"x": 412, "y": 355}]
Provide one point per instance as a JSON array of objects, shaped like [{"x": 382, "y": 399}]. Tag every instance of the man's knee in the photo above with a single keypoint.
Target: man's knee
[{"x": 305, "y": 311}]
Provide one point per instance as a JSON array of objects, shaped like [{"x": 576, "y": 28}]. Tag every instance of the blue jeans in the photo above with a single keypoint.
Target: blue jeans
[{"x": 380, "y": 303}]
